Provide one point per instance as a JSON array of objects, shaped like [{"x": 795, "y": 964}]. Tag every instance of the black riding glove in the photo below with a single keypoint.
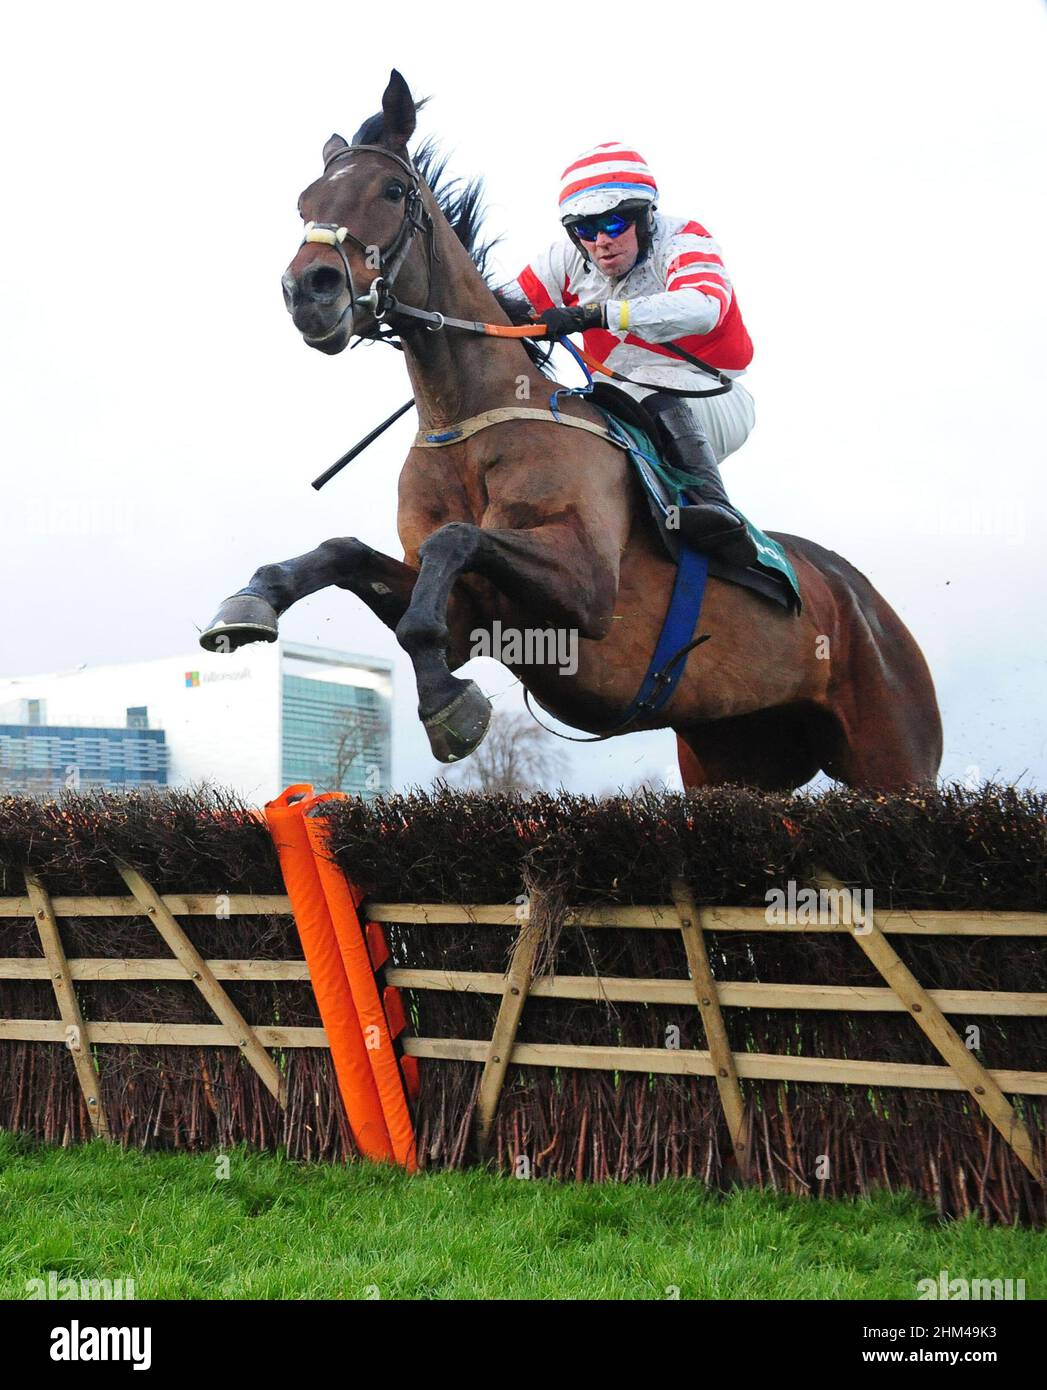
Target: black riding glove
[{"x": 560, "y": 322}]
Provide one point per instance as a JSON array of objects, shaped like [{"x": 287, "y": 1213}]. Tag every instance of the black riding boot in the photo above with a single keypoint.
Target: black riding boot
[{"x": 709, "y": 522}]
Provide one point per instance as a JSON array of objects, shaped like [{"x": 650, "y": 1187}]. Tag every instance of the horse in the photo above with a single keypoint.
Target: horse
[{"x": 535, "y": 526}]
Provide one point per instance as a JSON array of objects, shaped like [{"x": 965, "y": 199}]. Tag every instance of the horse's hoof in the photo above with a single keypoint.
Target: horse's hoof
[
  {"x": 460, "y": 726},
  {"x": 241, "y": 619}
]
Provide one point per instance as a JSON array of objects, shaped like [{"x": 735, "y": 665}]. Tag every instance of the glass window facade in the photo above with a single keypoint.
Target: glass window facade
[
  {"x": 43, "y": 759},
  {"x": 335, "y": 737}
]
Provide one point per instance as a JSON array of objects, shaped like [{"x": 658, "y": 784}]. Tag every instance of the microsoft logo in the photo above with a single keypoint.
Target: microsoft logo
[{"x": 193, "y": 679}]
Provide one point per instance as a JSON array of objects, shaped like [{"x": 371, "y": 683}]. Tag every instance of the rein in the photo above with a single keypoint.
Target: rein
[
  {"x": 726, "y": 382},
  {"x": 436, "y": 321}
]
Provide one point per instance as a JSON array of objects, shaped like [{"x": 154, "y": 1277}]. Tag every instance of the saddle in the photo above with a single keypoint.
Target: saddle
[{"x": 772, "y": 576}]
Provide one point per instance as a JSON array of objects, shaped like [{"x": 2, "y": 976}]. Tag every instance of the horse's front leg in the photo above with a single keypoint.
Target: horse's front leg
[
  {"x": 252, "y": 613},
  {"x": 551, "y": 570}
]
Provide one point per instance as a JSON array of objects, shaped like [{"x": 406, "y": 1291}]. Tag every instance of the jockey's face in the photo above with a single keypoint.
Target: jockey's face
[{"x": 615, "y": 256}]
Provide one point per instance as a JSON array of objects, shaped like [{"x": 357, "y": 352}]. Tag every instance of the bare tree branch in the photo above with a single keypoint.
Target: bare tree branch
[
  {"x": 356, "y": 730},
  {"x": 516, "y": 756}
]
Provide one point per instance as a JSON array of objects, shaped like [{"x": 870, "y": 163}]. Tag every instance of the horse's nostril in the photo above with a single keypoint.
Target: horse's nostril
[
  {"x": 290, "y": 289},
  {"x": 323, "y": 281}
]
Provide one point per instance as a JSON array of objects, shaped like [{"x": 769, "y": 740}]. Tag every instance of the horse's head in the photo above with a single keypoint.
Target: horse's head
[{"x": 365, "y": 222}]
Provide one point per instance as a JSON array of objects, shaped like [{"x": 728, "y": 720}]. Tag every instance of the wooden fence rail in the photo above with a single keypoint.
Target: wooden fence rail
[{"x": 900, "y": 993}]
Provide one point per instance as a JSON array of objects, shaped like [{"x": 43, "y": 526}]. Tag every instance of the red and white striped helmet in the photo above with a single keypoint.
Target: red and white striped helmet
[{"x": 602, "y": 178}]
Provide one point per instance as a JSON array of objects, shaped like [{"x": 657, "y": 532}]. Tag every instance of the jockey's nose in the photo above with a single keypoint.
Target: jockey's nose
[{"x": 322, "y": 283}]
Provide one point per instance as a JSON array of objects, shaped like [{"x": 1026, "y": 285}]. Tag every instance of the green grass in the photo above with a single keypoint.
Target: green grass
[{"x": 276, "y": 1229}]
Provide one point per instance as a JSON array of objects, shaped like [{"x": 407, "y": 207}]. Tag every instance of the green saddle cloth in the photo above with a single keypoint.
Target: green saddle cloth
[{"x": 647, "y": 460}]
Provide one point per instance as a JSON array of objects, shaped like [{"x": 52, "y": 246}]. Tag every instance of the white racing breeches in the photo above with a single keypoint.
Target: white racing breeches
[{"x": 727, "y": 419}]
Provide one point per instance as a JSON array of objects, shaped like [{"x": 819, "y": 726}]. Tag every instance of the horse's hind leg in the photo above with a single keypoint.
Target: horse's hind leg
[
  {"x": 884, "y": 739},
  {"x": 251, "y": 614},
  {"x": 885, "y": 731},
  {"x": 881, "y": 728}
]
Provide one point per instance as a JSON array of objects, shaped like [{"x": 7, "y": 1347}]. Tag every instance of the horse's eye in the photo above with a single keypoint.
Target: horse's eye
[{"x": 395, "y": 191}]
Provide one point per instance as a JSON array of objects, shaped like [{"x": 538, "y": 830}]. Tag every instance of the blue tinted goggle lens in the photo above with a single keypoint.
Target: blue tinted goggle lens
[{"x": 591, "y": 227}]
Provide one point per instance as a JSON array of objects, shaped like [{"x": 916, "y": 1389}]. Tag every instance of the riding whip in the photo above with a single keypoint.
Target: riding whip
[{"x": 328, "y": 473}]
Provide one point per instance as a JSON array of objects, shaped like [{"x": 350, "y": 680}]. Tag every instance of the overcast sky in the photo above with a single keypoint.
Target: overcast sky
[{"x": 875, "y": 175}]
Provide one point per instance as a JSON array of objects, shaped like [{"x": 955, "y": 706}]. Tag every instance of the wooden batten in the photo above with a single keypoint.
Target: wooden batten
[
  {"x": 181, "y": 904},
  {"x": 156, "y": 1034},
  {"x": 707, "y": 996},
  {"x": 514, "y": 995},
  {"x": 240, "y": 1033},
  {"x": 611, "y": 989},
  {"x": 616, "y": 989},
  {"x": 930, "y": 1019},
  {"x": 74, "y": 1032},
  {"x": 101, "y": 969},
  {"x": 918, "y": 922},
  {"x": 752, "y": 1066}
]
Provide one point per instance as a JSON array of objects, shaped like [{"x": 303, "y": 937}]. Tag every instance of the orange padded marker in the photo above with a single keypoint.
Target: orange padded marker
[
  {"x": 343, "y": 898},
  {"x": 334, "y": 996}
]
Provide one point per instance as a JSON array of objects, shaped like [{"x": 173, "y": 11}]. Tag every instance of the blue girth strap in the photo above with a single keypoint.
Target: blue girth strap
[
  {"x": 675, "y": 640},
  {"x": 675, "y": 643}
]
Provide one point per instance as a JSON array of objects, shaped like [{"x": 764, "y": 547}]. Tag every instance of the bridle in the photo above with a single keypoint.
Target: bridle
[
  {"x": 416, "y": 219},
  {"x": 379, "y": 297}
]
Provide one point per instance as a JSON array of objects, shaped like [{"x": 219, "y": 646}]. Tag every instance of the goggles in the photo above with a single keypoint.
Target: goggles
[{"x": 613, "y": 223}]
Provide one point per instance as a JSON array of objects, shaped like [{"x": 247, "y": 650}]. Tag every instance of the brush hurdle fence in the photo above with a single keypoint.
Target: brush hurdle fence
[{"x": 675, "y": 1081}]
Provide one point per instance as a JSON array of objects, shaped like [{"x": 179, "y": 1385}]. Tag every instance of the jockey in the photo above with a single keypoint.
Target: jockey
[{"x": 630, "y": 278}]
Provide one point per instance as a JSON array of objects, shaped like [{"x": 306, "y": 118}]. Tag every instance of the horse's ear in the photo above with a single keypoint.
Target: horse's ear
[
  {"x": 398, "y": 112},
  {"x": 332, "y": 147}
]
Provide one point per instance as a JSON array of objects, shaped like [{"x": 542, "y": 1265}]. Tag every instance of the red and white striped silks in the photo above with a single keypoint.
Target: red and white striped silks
[{"x": 679, "y": 292}]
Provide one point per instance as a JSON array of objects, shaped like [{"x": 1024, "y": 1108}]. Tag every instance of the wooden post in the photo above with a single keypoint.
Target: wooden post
[
  {"x": 201, "y": 974},
  {"x": 935, "y": 1025},
  {"x": 722, "y": 1057},
  {"x": 68, "y": 1005},
  {"x": 514, "y": 996}
]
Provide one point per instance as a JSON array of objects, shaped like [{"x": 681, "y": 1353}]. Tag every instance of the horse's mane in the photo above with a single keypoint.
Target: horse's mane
[{"x": 462, "y": 202}]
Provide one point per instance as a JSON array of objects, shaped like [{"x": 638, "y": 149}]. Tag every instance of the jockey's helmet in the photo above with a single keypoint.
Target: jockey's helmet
[{"x": 606, "y": 179}]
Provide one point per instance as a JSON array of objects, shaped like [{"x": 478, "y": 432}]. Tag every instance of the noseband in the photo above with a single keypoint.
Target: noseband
[{"x": 416, "y": 218}]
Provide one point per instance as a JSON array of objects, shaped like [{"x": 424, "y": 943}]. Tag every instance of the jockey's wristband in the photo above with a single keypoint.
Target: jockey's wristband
[{"x": 617, "y": 309}]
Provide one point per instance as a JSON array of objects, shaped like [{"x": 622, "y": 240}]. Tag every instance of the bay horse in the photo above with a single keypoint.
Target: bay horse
[{"x": 534, "y": 525}]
